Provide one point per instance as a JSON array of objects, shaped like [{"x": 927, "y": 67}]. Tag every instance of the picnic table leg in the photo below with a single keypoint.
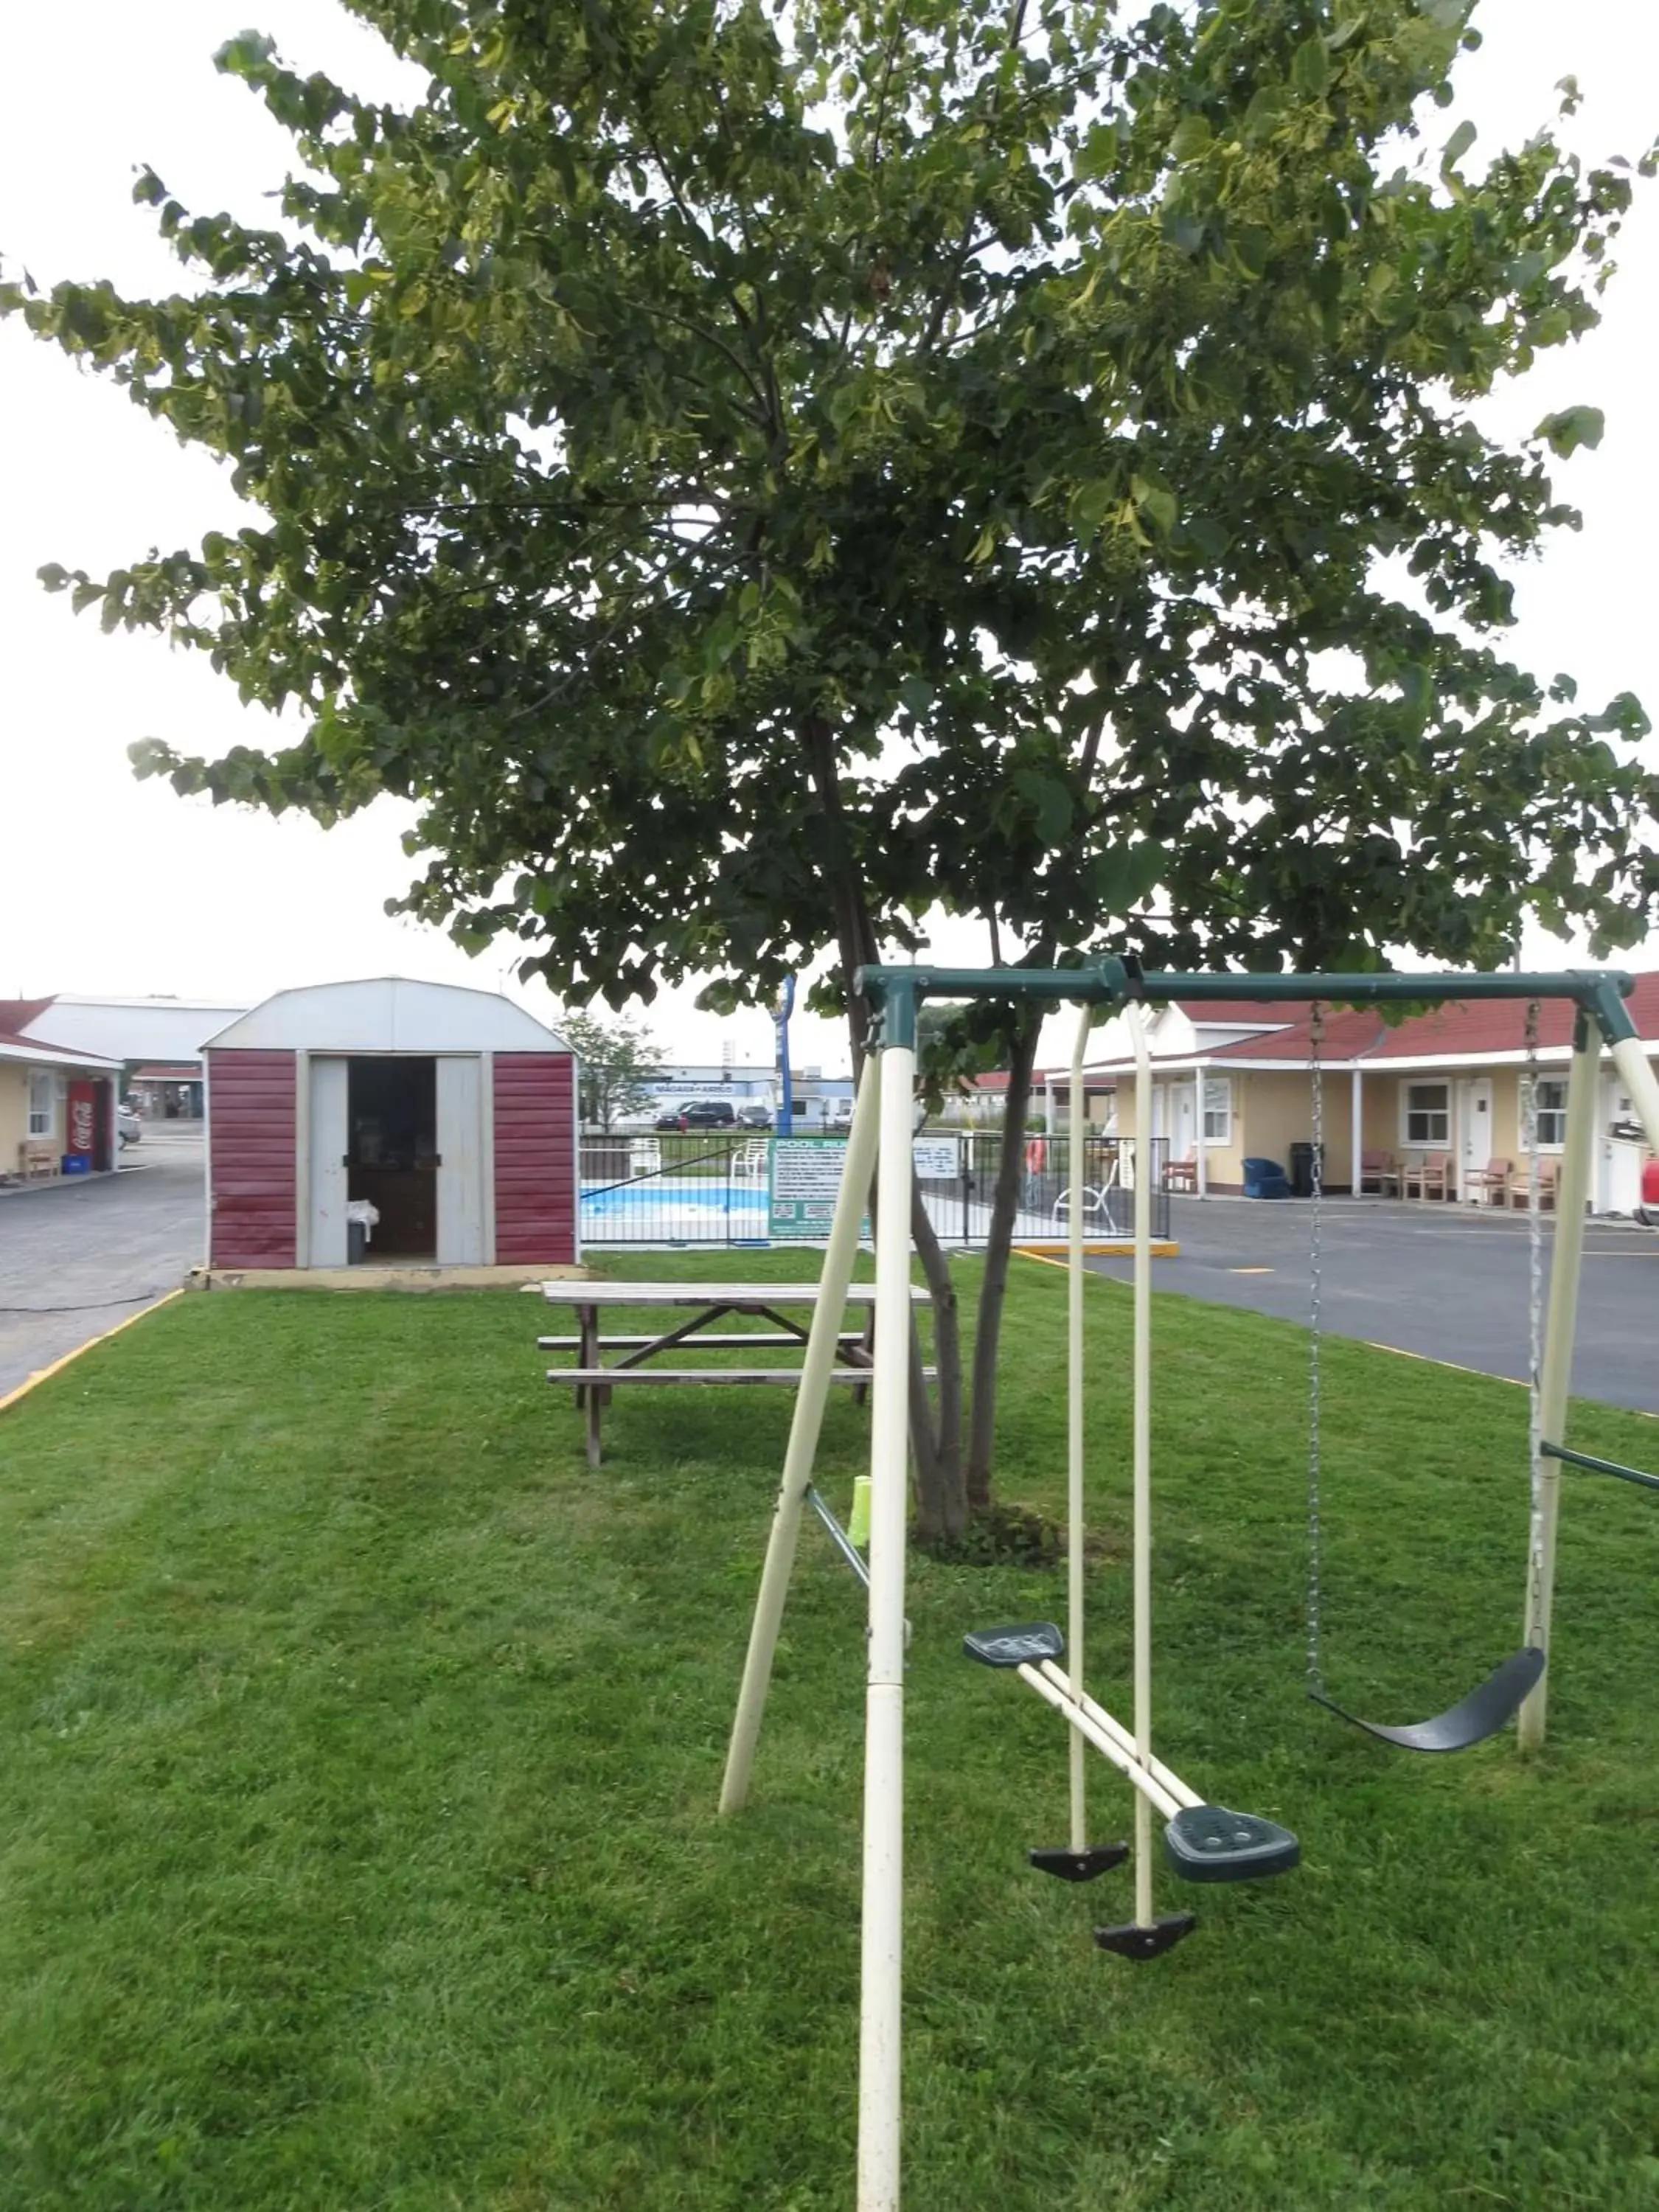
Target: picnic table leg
[
  {"x": 860, "y": 1391},
  {"x": 594, "y": 1396}
]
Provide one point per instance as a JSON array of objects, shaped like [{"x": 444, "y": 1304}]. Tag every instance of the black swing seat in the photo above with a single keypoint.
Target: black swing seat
[
  {"x": 1210, "y": 1843},
  {"x": 1480, "y": 1714},
  {"x": 1025, "y": 1646}
]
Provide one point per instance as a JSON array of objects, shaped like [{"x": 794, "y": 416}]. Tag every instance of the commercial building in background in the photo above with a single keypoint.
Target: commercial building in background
[
  {"x": 814, "y": 1099},
  {"x": 158, "y": 1041}
]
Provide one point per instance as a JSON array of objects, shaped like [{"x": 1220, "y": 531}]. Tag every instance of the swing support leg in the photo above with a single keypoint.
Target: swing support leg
[
  {"x": 881, "y": 1968},
  {"x": 1572, "y": 1197},
  {"x": 821, "y": 1350}
]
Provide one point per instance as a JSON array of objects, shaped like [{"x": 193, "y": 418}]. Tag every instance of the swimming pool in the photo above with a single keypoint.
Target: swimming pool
[{"x": 679, "y": 1209}]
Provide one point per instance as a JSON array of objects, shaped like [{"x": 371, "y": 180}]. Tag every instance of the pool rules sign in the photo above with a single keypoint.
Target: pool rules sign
[{"x": 806, "y": 1173}]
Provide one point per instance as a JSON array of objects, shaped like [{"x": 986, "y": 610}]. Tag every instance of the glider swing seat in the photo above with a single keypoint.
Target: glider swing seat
[{"x": 1202, "y": 1842}]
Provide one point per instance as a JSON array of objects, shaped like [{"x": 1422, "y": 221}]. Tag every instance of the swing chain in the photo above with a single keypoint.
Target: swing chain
[{"x": 1315, "y": 1039}]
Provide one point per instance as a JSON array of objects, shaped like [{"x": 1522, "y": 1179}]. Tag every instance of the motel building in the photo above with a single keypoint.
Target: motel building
[{"x": 1434, "y": 1107}]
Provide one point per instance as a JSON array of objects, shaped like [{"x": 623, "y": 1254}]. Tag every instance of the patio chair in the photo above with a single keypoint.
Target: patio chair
[
  {"x": 1520, "y": 1189},
  {"x": 1429, "y": 1177},
  {"x": 1490, "y": 1183},
  {"x": 1379, "y": 1172}
]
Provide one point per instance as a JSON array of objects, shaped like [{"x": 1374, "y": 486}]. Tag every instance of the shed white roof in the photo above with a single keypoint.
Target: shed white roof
[{"x": 389, "y": 1014}]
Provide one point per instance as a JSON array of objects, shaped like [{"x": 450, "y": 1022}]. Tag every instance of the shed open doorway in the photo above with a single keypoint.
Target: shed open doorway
[{"x": 392, "y": 1151}]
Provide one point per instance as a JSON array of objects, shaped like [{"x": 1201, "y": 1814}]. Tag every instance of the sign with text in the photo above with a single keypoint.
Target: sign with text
[
  {"x": 938, "y": 1160},
  {"x": 806, "y": 1173}
]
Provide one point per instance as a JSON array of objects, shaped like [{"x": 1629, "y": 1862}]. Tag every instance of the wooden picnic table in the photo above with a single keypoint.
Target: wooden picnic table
[{"x": 593, "y": 1378}]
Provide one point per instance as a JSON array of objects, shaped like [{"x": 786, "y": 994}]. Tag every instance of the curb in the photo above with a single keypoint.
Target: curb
[{"x": 43, "y": 1374}]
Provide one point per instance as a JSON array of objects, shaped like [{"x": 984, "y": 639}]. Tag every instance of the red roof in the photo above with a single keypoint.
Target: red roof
[
  {"x": 17, "y": 1014},
  {"x": 1244, "y": 1013},
  {"x": 1347, "y": 1033},
  {"x": 42, "y": 1047}
]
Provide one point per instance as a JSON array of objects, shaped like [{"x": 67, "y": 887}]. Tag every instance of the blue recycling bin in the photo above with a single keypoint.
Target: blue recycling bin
[
  {"x": 1265, "y": 1179},
  {"x": 78, "y": 1163}
]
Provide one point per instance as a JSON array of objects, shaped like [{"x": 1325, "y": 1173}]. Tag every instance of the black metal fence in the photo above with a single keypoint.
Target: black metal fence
[{"x": 693, "y": 1189}]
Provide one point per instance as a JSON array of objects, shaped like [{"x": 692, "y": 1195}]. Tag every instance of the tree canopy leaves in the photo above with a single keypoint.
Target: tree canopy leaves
[{"x": 751, "y": 474}]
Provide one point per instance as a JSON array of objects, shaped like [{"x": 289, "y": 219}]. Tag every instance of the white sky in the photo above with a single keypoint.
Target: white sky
[{"x": 109, "y": 885}]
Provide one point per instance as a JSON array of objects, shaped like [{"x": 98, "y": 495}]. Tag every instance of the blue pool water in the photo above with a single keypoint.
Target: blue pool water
[{"x": 662, "y": 1201}]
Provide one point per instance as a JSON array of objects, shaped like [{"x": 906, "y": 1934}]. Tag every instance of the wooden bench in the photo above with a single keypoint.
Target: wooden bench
[
  {"x": 593, "y": 1385},
  {"x": 37, "y": 1160},
  {"x": 1181, "y": 1175},
  {"x": 853, "y": 1341}
]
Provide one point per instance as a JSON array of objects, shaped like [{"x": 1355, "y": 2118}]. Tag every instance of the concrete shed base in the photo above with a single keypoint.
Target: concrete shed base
[{"x": 391, "y": 1278}]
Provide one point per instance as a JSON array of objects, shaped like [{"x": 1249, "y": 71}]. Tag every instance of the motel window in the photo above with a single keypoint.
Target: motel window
[
  {"x": 1428, "y": 1114},
  {"x": 1551, "y": 1093},
  {"x": 42, "y": 1100},
  {"x": 1217, "y": 1109}
]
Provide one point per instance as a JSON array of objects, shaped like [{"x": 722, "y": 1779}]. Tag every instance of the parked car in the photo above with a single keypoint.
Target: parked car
[
  {"x": 1648, "y": 1212},
  {"x": 701, "y": 1113},
  {"x": 755, "y": 1117},
  {"x": 129, "y": 1125}
]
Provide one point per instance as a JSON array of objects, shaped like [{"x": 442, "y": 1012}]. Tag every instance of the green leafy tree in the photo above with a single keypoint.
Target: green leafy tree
[
  {"x": 619, "y": 1068},
  {"x": 756, "y": 474}
]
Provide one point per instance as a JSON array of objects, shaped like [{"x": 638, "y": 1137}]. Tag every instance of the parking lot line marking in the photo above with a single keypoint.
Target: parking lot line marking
[{"x": 1250, "y": 1271}]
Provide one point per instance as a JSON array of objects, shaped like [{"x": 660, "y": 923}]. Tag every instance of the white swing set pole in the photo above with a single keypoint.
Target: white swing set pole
[
  {"x": 822, "y": 1345},
  {"x": 1555, "y": 1372},
  {"x": 883, "y": 1934},
  {"x": 1143, "y": 1456},
  {"x": 1074, "y": 1624}
]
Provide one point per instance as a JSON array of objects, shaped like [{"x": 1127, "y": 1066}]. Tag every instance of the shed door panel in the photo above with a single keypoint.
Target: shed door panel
[
  {"x": 460, "y": 1163},
  {"x": 329, "y": 1137}
]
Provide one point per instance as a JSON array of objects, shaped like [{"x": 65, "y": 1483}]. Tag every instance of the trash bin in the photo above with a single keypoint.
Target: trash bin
[
  {"x": 1302, "y": 1169},
  {"x": 1265, "y": 1179},
  {"x": 356, "y": 1243}
]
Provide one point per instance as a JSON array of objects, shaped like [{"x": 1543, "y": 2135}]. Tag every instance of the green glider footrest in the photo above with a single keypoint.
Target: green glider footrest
[
  {"x": 1016, "y": 1647},
  {"x": 1131, "y": 1941},
  {"x": 1208, "y": 1843},
  {"x": 1079, "y": 1866}
]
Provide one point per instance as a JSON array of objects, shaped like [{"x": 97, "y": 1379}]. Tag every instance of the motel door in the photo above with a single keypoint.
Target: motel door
[
  {"x": 1183, "y": 1145},
  {"x": 460, "y": 1163},
  {"x": 1623, "y": 1151},
  {"x": 1475, "y": 1152}
]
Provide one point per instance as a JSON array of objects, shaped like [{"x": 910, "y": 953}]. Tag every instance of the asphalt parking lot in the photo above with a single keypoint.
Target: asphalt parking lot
[
  {"x": 1445, "y": 1282},
  {"x": 77, "y": 1258}
]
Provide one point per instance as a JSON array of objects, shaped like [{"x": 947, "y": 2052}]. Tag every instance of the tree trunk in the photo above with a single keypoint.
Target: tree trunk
[
  {"x": 941, "y": 1498},
  {"x": 1005, "y": 1204}
]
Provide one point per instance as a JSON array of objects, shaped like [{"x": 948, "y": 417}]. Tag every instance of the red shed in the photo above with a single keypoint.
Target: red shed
[{"x": 449, "y": 1114}]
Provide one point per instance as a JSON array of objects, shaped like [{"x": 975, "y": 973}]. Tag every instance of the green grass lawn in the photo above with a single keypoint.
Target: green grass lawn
[{"x": 357, "y": 1841}]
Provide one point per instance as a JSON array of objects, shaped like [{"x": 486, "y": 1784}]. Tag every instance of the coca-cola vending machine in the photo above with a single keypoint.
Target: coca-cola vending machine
[{"x": 82, "y": 1122}]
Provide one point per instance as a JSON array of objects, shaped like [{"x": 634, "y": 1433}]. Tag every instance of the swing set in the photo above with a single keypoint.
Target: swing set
[{"x": 1204, "y": 1841}]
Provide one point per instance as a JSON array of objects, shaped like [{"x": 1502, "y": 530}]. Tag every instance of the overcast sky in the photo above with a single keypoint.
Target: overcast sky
[{"x": 109, "y": 885}]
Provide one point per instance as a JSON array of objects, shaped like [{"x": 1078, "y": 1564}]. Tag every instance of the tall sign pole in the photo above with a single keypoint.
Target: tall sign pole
[{"x": 785, "y": 1007}]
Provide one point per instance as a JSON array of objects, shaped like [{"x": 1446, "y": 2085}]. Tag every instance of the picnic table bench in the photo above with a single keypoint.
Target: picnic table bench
[{"x": 594, "y": 1378}]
